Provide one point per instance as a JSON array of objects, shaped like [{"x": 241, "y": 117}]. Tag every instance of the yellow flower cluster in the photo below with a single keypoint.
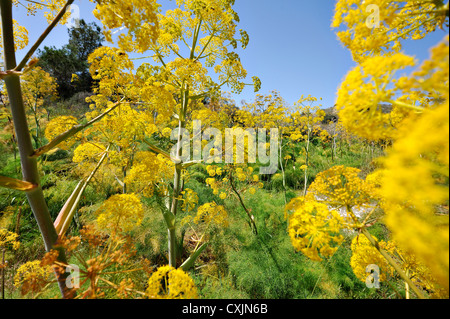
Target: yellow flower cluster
[
  {"x": 410, "y": 112},
  {"x": 191, "y": 73},
  {"x": 364, "y": 92},
  {"x": 415, "y": 182},
  {"x": 32, "y": 277},
  {"x": 244, "y": 174},
  {"x": 60, "y": 125},
  {"x": 88, "y": 152},
  {"x": 304, "y": 118},
  {"x": 170, "y": 283},
  {"x": 314, "y": 228},
  {"x": 341, "y": 186},
  {"x": 214, "y": 170},
  {"x": 8, "y": 240},
  {"x": 211, "y": 213},
  {"x": 189, "y": 200},
  {"x": 37, "y": 85},
  {"x": 398, "y": 21},
  {"x": 149, "y": 170},
  {"x": 267, "y": 111},
  {"x": 20, "y": 37},
  {"x": 120, "y": 213},
  {"x": 365, "y": 254},
  {"x": 113, "y": 69},
  {"x": 139, "y": 17}
]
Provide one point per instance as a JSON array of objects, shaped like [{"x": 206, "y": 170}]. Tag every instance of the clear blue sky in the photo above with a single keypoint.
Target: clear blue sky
[{"x": 292, "y": 48}]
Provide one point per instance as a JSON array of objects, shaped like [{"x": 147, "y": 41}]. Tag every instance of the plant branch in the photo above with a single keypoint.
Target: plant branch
[
  {"x": 44, "y": 35},
  {"x": 74, "y": 130}
]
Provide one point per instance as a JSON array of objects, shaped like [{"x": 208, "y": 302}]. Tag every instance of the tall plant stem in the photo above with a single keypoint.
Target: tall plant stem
[
  {"x": 3, "y": 273},
  {"x": 252, "y": 220},
  {"x": 43, "y": 36},
  {"x": 386, "y": 256},
  {"x": 307, "y": 162},
  {"x": 391, "y": 261},
  {"x": 29, "y": 165},
  {"x": 171, "y": 227},
  {"x": 283, "y": 174}
]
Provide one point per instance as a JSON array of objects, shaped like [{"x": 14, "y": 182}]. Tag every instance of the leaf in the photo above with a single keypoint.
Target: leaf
[
  {"x": 62, "y": 222},
  {"x": 16, "y": 184},
  {"x": 157, "y": 150},
  {"x": 74, "y": 130},
  {"x": 189, "y": 263},
  {"x": 66, "y": 214}
]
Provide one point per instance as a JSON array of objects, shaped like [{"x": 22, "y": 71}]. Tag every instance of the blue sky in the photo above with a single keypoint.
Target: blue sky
[{"x": 292, "y": 48}]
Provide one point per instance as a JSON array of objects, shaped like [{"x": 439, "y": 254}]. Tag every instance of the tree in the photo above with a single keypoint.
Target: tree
[
  {"x": 72, "y": 59},
  {"x": 201, "y": 35}
]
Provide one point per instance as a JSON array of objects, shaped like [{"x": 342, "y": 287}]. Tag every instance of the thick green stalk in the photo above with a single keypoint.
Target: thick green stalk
[
  {"x": 283, "y": 173},
  {"x": 392, "y": 262},
  {"x": 250, "y": 216},
  {"x": 177, "y": 182},
  {"x": 386, "y": 255},
  {"x": 307, "y": 162},
  {"x": 29, "y": 165}
]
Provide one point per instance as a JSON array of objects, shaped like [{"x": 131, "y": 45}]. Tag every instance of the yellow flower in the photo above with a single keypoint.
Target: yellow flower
[
  {"x": 212, "y": 213},
  {"x": 120, "y": 213},
  {"x": 170, "y": 283},
  {"x": 190, "y": 200},
  {"x": 8, "y": 240},
  {"x": 413, "y": 186},
  {"x": 364, "y": 91},
  {"x": 149, "y": 170},
  {"x": 341, "y": 186},
  {"x": 60, "y": 125},
  {"x": 20, "y": 36},
  {"x": 166, "y": 132},
  {"x": 365, "y": 254},
  {"x": 399, "y": 21},
  {"x": 314, "y": 229},
  {"x": 87, "y": 152},
  {"x": 137, "y": 16},
  {"x": 32, "y": 277}
]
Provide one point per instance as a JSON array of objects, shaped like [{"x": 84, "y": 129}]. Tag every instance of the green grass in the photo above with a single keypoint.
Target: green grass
[{"x": 237, "y": 264}]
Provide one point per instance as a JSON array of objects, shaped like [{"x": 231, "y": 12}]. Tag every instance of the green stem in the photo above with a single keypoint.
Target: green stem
[
  {"x": 74, "y": 130},
  {"x": 392, "y": 262},
  {"x": 29, "y": 165},
  {"x": 41, "y": 39},
  {"x": 177, "y": 180},
  {"x": 409, "y": 106},
  {"x": 283, "y": 174},
  {"x": 307, "y": 163},
  {"x": 3, "y": 273},
  {"x": 252, "y": 220}
]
